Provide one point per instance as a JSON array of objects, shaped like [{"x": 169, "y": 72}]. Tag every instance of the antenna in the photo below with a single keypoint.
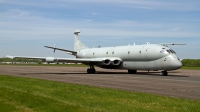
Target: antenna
[
  {"x": 77, "y": 32},
  {"x": 148, "y": 43}
]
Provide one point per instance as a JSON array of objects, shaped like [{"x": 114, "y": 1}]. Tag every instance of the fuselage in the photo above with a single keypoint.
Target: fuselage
[{"x": 136, "y": 57}]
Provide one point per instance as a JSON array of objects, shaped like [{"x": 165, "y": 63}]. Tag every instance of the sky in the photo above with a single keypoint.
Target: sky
[{"x": 26, "y": 26}]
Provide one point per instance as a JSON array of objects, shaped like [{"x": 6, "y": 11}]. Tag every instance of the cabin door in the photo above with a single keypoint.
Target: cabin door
[{"x": 146, "y": 54}]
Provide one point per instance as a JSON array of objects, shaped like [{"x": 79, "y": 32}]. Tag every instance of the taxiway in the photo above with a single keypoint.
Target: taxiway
[{"x": 179, "y": 83}]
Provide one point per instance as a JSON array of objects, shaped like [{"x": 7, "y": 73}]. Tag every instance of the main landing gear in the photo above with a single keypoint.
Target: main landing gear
[
  {"x": 164, "y": 73},
  {"x": 91, "y": 69},
  {"x": 132, "y": 71}
]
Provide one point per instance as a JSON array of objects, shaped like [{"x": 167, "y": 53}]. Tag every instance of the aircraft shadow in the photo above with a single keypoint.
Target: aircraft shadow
[
  {"x": 143, "y": 73},
  {"x": 99, "y": 72},
  {"x": 158, "y": 74}
]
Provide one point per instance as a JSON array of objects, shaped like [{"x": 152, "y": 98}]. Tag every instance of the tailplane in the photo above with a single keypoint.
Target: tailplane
[{"x": 78, "y": 45}]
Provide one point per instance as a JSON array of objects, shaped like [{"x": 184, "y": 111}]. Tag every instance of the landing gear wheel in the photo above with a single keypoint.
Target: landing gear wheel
[
  {"x": 132, "y": 71},
  {"x": 91, "y": 69},
  {"x": 164, "y": 73},
  {"x": 88, "y": 70}
]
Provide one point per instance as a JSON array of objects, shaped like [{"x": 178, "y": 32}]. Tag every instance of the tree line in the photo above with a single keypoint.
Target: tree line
[
  {"x": 186, "y": 62},
  {"x": 191, "y": 62},
  {"x": 18, "y": 60}
]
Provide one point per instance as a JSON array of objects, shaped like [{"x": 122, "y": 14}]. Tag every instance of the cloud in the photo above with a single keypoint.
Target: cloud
[
  {"x": 178, "y": 5},
  {"x": 22, "y": 24}
]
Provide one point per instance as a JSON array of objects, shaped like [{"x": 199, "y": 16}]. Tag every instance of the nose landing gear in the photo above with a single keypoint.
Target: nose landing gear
[{"x": 164, "y": 73}]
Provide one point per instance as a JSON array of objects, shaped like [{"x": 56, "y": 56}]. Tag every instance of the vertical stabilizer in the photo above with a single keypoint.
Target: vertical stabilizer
[{"x": 78, "y": 45}]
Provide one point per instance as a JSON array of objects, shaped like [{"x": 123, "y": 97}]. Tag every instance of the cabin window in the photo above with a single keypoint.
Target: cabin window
[
  {"x": 112, "y": 52},
  {"x": 106, "y": 52},
  {"x": 128, "y": 52}
]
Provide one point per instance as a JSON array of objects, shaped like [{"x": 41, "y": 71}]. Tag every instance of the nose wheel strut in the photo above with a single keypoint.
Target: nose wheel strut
[{"x": 91, "y": 69}]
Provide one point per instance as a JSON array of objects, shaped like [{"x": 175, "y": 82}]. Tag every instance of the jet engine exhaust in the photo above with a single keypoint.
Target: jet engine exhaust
[
  {"x": 116, "y": 62},
  {"x": 107, "y": 62}
]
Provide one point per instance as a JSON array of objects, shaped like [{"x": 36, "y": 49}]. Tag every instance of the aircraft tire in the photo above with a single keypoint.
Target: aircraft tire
[
  {"x": 164, "y": 73},
  {"x": 93, "y": 71},
  {"x": 132, "y": 71},
  {"x": 89, "y": 71}
]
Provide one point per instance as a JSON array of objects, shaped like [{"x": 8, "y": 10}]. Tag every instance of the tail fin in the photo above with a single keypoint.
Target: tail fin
[{"x": 78, "y": 45}]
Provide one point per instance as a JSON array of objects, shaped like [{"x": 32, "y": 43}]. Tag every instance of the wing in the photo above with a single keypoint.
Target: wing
[
  {"x": 53, "y": 59},
  {"x": 25, "y": 57},
  {"x": 102, "y": 61}
]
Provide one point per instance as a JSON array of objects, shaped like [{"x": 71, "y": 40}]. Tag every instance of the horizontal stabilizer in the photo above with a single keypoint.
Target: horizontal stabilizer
[
  {"x": 73, "y": 52},
  {"x": 165, "y": 44}
]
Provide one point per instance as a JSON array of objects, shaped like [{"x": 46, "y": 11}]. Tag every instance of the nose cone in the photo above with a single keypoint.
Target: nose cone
[{"x": 176, "y": 64}]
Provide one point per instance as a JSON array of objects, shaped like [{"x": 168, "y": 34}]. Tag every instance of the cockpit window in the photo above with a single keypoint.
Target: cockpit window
[
  {"x": 173, "y": 51},
  {"x": 168, "y": 51}
]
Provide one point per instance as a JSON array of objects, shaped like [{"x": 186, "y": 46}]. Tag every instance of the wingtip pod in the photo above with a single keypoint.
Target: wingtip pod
[{"x": 11, "y": 57}]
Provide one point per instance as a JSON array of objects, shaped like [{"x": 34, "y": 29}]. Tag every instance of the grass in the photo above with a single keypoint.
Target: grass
[
  {"x": 190, "y": 68},
  {"x": 26, "y": 94}
]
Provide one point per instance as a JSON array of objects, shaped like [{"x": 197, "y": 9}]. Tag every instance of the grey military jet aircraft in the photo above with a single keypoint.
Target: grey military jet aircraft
[{"x": 150, "y": 57}]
